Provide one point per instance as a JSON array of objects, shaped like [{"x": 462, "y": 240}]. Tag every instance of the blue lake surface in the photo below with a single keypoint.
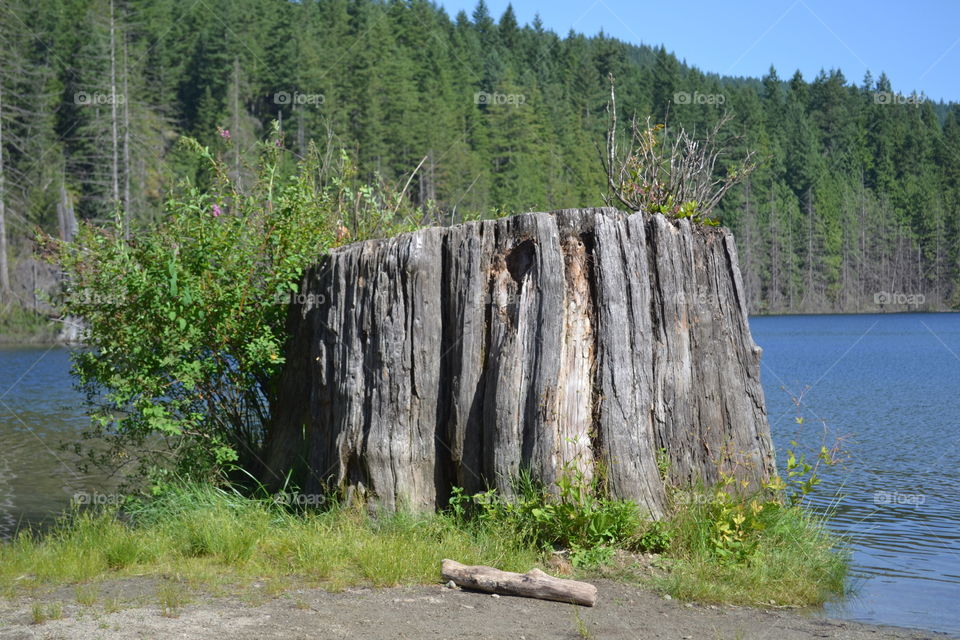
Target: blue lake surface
[
  {"x": 887, "y": 385},
  {"x": 39, "y": 410}
]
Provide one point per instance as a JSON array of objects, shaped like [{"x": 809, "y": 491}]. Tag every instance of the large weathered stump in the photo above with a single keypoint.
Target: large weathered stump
[{"x": 461, "y": 355}]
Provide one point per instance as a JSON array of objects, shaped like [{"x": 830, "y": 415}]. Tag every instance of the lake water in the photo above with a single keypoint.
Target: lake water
[
  {"x": 39, "y": 409},
  {"x": 887, "y": 385}
]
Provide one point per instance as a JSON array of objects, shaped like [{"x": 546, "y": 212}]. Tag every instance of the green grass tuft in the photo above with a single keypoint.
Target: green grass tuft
[
  {"x": 206, "y": 535},
  {"x": 793, "y": 558},
  {"x": 41, "y": 612}
]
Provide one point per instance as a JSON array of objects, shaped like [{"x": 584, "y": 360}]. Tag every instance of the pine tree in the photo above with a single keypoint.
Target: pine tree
[{"x": 859, "y": 191}]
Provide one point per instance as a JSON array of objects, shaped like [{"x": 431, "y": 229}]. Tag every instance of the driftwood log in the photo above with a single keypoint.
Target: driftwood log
[
  {"x": 458, "y": 356},
  {"x": 532, "y": 584}
]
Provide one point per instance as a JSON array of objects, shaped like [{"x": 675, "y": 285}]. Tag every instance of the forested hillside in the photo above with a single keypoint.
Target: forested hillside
[{"x": 858, "y": 194}]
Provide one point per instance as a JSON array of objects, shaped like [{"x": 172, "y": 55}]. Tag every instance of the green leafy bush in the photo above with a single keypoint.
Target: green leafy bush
[
  {"x": 591, "y": 557},
  {"x": 185, "y": 320},
  {"x": 655, "y": 538},
  {"x": 575, "y": 517}
]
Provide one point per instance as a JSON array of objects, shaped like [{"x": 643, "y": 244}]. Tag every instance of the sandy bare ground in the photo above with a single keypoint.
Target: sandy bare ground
[{"x": 432, "y": 611}]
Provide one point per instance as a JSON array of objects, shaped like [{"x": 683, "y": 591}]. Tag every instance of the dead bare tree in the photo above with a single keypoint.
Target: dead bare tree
[{"x": 4, "y": 267}]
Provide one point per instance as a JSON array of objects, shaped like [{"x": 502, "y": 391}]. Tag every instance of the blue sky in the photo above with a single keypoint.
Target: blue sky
[{"x": 916, "y": 42}]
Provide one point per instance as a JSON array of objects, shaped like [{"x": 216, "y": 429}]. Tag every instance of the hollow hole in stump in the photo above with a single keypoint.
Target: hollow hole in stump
[{"x": 519, "y": 259}]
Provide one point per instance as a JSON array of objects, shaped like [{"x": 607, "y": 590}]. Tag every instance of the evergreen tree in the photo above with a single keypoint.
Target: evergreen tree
[{"x": 859, "y": 191}]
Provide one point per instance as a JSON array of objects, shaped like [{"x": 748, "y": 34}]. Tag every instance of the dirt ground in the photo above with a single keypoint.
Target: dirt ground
[{"x": 432, "y": 611}]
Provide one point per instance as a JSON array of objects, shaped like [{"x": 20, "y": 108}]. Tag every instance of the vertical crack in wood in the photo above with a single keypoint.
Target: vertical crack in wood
[{"x": 573, "y": 410}]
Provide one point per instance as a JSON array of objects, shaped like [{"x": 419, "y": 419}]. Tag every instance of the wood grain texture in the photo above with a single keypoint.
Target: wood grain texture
[
  {"x": 533, "y": 584},
  {"x": 458, "y": 356}
]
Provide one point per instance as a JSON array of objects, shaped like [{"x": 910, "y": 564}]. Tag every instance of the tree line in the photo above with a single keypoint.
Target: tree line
[{"x": 855, "y": 205}]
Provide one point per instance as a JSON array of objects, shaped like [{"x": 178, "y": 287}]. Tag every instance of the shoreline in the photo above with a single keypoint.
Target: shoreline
[
  {"x": 875, "y": 312},
  {"x": 47, "y": 339},
  {"x": 257, "y": 611}
]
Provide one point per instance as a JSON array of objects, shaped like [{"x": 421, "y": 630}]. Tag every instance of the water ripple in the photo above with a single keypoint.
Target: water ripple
[{"x": 887, "y": 386}]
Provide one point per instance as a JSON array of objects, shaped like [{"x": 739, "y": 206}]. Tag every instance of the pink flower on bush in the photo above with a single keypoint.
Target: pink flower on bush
[
  {"x": 225, "y": 134},
  {"x": 216, "y": 211}
]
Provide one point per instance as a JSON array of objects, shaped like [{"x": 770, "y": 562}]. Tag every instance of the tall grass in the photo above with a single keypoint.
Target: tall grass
[
  {"x": 718, "y": 545},
  {"x": 204, "y": 536},
  {"x": 794, "y": 559},
  {"x": 207, "y": 534}
]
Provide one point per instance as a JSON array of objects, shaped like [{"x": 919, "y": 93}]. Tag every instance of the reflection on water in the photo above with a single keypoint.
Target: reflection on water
[
  {"x": 888, "y": 385},
  {"x": 39, "y": 409}
]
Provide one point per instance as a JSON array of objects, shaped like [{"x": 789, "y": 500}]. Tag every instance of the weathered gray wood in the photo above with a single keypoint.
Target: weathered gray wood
[
  {"x": 533, "y": 584},
  {"x": 459, "y": 356}
]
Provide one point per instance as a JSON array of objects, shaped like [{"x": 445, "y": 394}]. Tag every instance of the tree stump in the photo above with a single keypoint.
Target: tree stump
[{"x": 457, "y": 356}]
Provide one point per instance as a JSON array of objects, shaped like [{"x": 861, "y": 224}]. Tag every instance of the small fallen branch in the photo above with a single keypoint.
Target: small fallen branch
[{"x": 533, "y": 584}]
